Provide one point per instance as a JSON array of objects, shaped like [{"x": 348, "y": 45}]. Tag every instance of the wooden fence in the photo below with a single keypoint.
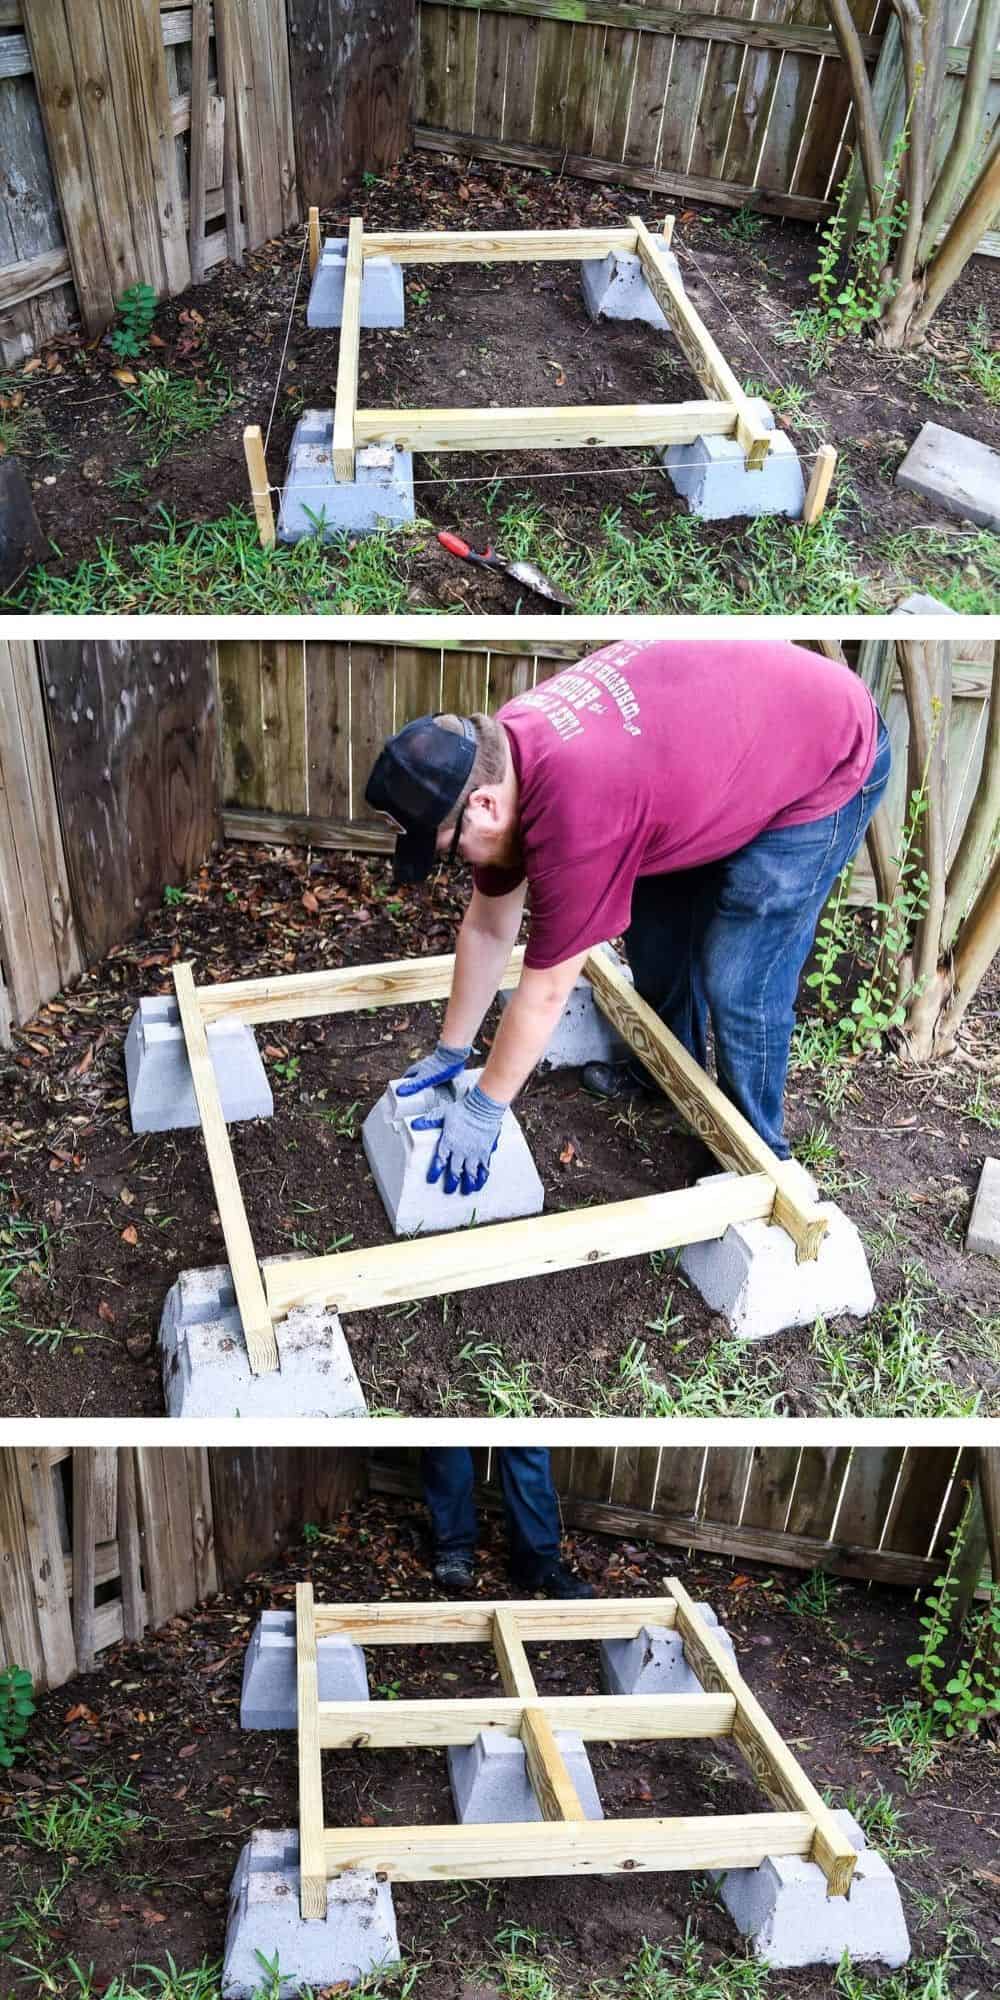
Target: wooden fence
[
  {"x": 716, "y": 103},
  {"x": 143, "y": 140},
  {"x": 39, "y": 942}
]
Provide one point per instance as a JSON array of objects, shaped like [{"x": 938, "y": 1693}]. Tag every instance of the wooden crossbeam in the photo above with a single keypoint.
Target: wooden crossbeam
[
  {"x": 547, "y": 1768},
  {"x": 701, "y": 352},
  {"x": 516, "y": 1676},
  {"x": 258, "y": 1329},
  {"x": 500, "y": 1252},
  {"x": 345, "y": 407},
  {"x": 473, "y": 1623},
  {"x": 558, "y": 427},
  {"x": 707, "y": 1109},
  {"x": 599, "y": 1718},
  {"x": 312, "y": 1859},
  {"x": 300, "y": 996},
  {"x": 774, "y": 1767},
  {"x": 498, "y": 246},
  {"x": 546, "y": 1847}
]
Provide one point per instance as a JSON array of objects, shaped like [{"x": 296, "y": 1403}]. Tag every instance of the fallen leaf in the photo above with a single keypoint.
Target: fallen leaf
[
  {"x": 188, "y": 1750},
  {"x": 124, "y": 376},
  {"x": 309, "y": 902},
  {"x": 105, "y": 1313},
  {"x": 127, "y": 1197},
  {"x": 131, "y": 1234},
  {"x": 81, "y": 1068},
  {"x": 154, "y": 1916},
  {"x": 31, "y": 367},
  {"x": 568, "y": 1154}
]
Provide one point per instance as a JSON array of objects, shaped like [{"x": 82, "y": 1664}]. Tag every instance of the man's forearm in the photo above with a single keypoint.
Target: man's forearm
[
  {"x": 526, "y": 1029},
  {"x": 481, "y": 960}
]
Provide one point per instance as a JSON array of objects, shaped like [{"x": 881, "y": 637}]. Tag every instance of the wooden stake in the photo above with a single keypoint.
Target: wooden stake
[
  {"x": 347, "y": 363},
  {"x": 253, "y": 446},
  {"x": 824, "y": 466},
  {"x": 314, "y": 242},
  {"x": 312, "y": 1860},
  {"x": 667, "y": 232}
]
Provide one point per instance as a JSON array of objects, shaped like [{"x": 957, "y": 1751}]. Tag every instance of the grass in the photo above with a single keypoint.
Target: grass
[
  {"x": 983, "y": 1106},
  {"x": 720, "y": 1384},
  {"x": 984, "y": 360},
  {"x": 23, "y": 431},
  {"x": 87, "y": 1825},
  {"x": 881, "y": 1821},
  {"x": 506, "y": 1391},
  {"x": 170, "y": 410},
  {"x": 891, "y": 1364},
  {"x": 961, "y": 566},
  {"x": 816, "y": 1597}
]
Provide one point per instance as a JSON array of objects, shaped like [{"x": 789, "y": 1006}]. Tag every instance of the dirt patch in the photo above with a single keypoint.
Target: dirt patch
[
  {"x": 100, "y": 1221},
  {"x": 165, "y": 1717},
  {"x": 498, "y": 335}
]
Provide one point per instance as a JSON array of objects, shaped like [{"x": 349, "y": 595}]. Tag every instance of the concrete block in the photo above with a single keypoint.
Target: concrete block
[
  {"x": 399, "y": 1158},
  {"x": 314, "y": 503},
  {"x": 955, "y": 472},
  {"x": 752, "y": 1277},
  {"x": 653, "y": 1662},
  {"x": 356, "y": 1937},
  {"x": 583, "y": 1034},
  {"x": 22, "y": 543},
  {"x": 614, "y": 287},
  {"x": 712, "y": 477},
  {"x": 784, "y": 1908},
  {"x": 382, "y": 301},
  {"x": 160, "y": 1091},
  {"x": 490, "y": 1782},
  {"x": 920, "y": 605},
  {"x": 270, "y": 1682},
  {"x": 206, "y": 1370},
  {"x": 983, "y": 1234}
]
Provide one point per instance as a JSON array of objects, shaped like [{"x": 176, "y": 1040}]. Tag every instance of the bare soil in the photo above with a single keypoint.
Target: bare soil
[
  {"x": 123, "y": 1215},
  {"x": 165, "y": 1717},
  {"x": 498, "y": 335}
]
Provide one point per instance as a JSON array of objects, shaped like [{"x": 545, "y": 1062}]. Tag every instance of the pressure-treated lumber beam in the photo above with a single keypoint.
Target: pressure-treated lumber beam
[
  {"x": 556, "y": 428},
  {"x": 312, "y": 1861},
  {"x": 399, "y": 982},
  {"x": 394, "y": 1273},
  {"x": 730, "y": 1136},
  {"x": 550, "y": 1779},
  {"x": 599, "y": 1718},
  {"x": 512, "y": 1660},
  {"x": 776, "y": 1770},
  {"x": 468, "y": 1624},
  {"x": 346, "y": 403},
  {"x": 498, "y": 246},
  {"x": 597, "y": 1847},
  {"x": 700, "y": 350},
  {"x": 258, "y": 1330}
]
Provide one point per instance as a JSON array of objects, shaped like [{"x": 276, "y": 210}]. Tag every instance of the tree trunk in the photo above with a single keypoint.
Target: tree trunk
[
  {"x": 974, "y": 218},
  {"x": 865, "y": 117},
  {"x": 982, "y": 824},
  {"x": 967, "y": 131}
]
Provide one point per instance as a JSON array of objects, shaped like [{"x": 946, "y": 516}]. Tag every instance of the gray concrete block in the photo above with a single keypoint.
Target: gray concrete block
[
  {"x": 955, "y": 472},
  {"x": 399, "y": 1159},
  {"x": 382, "y": 300},
  {"x": 160, "y": 1091},
  {"x": 269, "y": 1699},
  {"x": 711, "y": 475},
  {"x": 614, "y": 287},
  {"x": 583, "y": 1034},
  {"x": 653, "y": 1662},
  {"x": 357, "y": 1936},
  {"x": 751, "y": 1275},
  {"x": 206, "y": 1370},
  {"x": 314, "y": 503},
  {"x": 490, "y": 1782},
  {"x": 784, "y": 1909},
  {"x": 920, "y": 605},
  {"x": 983, "y": 1233}
]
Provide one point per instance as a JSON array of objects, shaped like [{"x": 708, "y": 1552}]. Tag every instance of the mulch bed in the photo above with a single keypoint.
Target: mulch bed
[
  {"x": 125, "y": 1214},
  {"x": 165, "y": 1715},
  {"x": 503, "y": 334}
]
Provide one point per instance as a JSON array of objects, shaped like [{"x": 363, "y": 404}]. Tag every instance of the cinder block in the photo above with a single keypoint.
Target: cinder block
[
  {"x": 784, "y": 1909},
  {"x": 920, "y": 605},
  {"x": 206, "y": 1369},
  {"x": 614, "y": 287},
  {"x": 957, "y": 473},
  {"x": 751, "y": 1275},
  {"x": 270, "y": 1680},
  {"x": 653, "y": 1662},
  {"x": 490, "y": 1782},
  {"x": 356, "y": 1937},
  {"x": 983, "y": 1234},
  {"x": 399, "y": 1158},
  {"x": 314, "y": 503},
  {"x": 160, "y": 1091},
  {"x": 582, "y": 1033},
  {"x": 711, "y": 475},
  {"x": 382, "y": 300}
]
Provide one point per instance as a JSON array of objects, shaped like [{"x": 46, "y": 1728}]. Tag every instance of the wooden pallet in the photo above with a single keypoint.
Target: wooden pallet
[
  {"x": 564, "y": 1841},
  {"x": 763, "y": 1188}
]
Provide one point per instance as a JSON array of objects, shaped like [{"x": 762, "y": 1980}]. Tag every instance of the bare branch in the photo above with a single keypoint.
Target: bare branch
[
  {"x": 878, "y": 841},
  {"x": 975, "y": 951},
  {"x": 959, "y": 242},
  {"x": 914, "y": 162},
  {"x": 983, "y": 820},
  {"x": 926, "y": 670},
  {"x": 969, "y": 128},
  {"x": 866, "y": 124}
]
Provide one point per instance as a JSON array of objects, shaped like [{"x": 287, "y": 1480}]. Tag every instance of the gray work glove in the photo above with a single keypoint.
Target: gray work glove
[
  {"x": 439, "y": 1067},
  {"x": 470, "y": 1133}
]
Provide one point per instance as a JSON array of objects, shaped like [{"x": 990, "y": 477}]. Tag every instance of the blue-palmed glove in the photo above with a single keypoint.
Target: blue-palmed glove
[
  {"x": 439, "y": 1067},
  {"x": 470, "y": 1132}
]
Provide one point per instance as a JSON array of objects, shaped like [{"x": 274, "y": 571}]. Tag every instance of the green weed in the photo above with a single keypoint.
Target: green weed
[
  {"x": 506, "y": 1391},
  {"x": 908, "y": 1731},
  {"x": 934, "y": 385},
  {"x": 816, "y": 1597},
  {"x": 172, "y": 409},
  {"x": 984, "y": 360},
  {"x": 135, "y": 313},
  {"x": 343, "y": 1123},
  {"x": 87, "y": 1825},
  {"x": 881, "y": 1821},
  {"x": 743, "y": 227},
  {"x": 16, "y": 1711},
  {"x": 983, "y": 1106},
  {"x": 891, "y": 1364}
]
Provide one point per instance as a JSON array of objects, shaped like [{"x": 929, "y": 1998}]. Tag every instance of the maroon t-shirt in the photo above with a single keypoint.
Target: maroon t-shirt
[{"x": 647, "y": 758}]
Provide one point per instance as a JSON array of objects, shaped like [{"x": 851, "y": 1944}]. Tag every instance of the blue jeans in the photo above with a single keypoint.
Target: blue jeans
[
  {"x": 729, "y": 941},
  {"x": 530, "y": 1504}
]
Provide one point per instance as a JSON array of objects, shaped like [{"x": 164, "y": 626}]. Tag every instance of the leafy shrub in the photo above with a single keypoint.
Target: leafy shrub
[{"x": 16, "y": 1711}]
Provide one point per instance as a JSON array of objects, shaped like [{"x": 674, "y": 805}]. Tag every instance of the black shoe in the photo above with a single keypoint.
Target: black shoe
[
  {"x": 622, "y": 1079},
  {"x": 555, "y": 1580},
  {"x": 454, "y": 1571}
]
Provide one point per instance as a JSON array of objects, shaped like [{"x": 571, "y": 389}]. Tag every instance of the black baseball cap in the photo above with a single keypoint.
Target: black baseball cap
[{"x": 418, "y": 778}]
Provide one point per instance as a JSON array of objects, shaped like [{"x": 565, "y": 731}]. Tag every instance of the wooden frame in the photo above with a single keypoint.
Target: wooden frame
[
  {"x": 563, "y": 1841},
  {"x": 727, "y": 410},
  {"x": 763, "y": 1188}
]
